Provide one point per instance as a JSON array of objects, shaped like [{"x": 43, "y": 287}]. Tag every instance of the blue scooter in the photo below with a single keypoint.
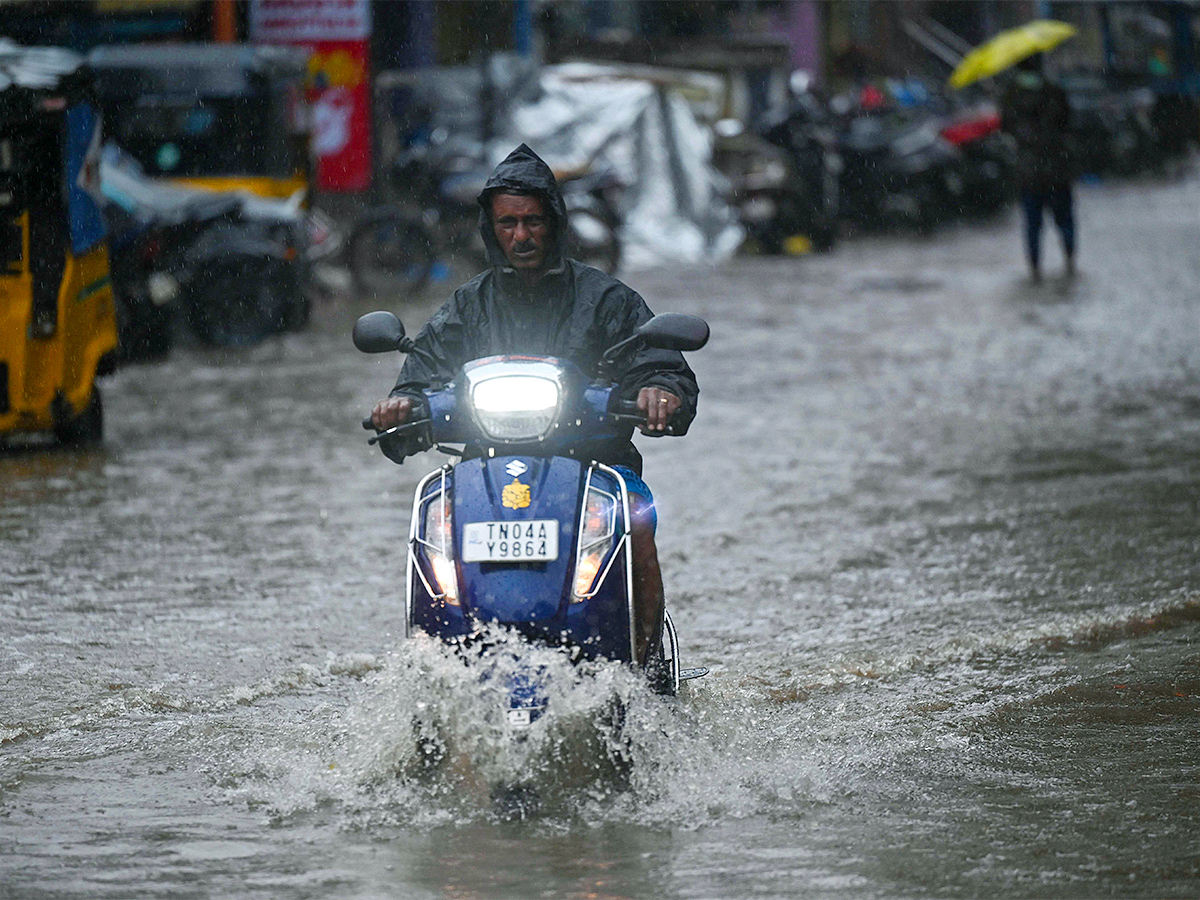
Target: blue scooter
[{"x": 526, "y": 531}]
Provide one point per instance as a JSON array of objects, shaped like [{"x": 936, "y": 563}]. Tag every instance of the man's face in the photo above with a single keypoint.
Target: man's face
[{"x": 522, "y": 228}]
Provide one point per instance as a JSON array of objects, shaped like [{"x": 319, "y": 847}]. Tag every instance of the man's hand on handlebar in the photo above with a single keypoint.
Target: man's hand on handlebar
[
  {"x": 391, "y": 412},
  {"x": 658, "y": 405}
]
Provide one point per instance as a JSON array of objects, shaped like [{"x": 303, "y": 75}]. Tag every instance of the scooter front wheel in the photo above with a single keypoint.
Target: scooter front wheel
[{"x": 515, "y": 802}]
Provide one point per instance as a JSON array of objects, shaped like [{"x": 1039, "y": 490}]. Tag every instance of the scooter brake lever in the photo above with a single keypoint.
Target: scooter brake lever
[
  {"x": 627, "y": 411},
  {"x": 397, "y": 430},
  {"x": 641, "y": 420}
]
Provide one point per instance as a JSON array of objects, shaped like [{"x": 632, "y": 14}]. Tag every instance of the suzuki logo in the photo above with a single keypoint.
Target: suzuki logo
[{"x": 516, "y": 467}]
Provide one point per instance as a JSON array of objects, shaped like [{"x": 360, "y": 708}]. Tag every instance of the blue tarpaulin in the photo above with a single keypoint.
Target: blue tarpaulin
[{"x": 83, "y": 178}]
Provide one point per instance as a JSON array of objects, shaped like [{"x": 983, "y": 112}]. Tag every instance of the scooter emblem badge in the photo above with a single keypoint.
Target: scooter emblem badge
[
  {"x": 515, "y": 495},
  {"x": 516, "y": 467}
]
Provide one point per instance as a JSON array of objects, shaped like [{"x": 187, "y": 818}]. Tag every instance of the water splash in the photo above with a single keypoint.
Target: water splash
[
  {"x": 431, "y": 731},
  {"x": 425, "y": 742}
]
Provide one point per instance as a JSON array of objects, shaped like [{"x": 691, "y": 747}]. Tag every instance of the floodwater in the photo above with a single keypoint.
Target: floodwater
[{"x": 935, "y": 531}]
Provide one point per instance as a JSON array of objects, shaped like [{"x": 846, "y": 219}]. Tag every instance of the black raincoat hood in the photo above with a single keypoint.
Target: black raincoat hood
[{"x": 524, "y": 171}]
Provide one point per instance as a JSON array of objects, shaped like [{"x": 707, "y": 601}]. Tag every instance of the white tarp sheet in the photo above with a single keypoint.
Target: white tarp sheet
[
  {"x": 644, "y": 131},
  {"x": 635, "y": 122}
]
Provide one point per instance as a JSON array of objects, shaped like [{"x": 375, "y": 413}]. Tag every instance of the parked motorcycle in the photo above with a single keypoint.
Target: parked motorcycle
[
  {"x": 227, "y": 269},
  {"x": 783, "y": 182},
  {"x": 986, "y": 159},
  {"x": 245, "y": 276},
  {"x": 525, "y": 534},
  {"x": 392, "y": 249},
  {"x": 593, "y": 218},
  {"x": 1113, "y": 126},
  {"x": 143, "y": 291},
  {"x": 898, "y": 170}
]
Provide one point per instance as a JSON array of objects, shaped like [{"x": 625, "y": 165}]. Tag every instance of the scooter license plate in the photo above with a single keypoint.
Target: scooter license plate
[{"x": 535, "y": 540}]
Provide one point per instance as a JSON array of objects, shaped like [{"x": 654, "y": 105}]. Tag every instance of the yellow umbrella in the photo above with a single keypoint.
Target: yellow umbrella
[{"x": 1008, "y": 48}]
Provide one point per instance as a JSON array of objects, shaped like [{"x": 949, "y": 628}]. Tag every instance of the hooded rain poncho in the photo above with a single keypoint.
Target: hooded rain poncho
[{"x": 573, "y": 311}]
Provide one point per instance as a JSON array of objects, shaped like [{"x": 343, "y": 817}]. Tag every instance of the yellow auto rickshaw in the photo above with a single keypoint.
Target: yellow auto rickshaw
[
  {"x": 218, "y": 116},
  {"x": 58, "y": 327}
]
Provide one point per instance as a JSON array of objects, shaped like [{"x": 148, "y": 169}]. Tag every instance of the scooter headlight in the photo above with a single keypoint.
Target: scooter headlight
[
  {"x": 516, "y": 407},
  {"x": 437, "y": 541},
  {"x": 596, "y": 533},
  {"x": 515, "y": 399}
]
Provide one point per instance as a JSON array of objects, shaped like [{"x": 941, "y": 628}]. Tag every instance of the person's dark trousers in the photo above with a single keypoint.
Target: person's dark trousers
[{"x": 1061, "y": 202}]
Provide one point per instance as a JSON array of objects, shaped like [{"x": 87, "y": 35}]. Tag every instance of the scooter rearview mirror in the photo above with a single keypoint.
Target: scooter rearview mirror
[
  {"x": 378, "y": 332},
  {"x": 674, "y": 331}
]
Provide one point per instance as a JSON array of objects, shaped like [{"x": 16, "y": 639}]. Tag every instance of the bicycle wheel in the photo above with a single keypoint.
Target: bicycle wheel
[{"x": 390, "y": 254}]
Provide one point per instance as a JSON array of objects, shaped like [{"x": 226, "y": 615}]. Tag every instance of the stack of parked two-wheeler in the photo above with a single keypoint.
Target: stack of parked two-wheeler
[
  {"x": 878, "y": 167},
  {"x": 225, "y": 269},
  {"x": 393, "y": 249},
  {"x": 922, "y": 168}
]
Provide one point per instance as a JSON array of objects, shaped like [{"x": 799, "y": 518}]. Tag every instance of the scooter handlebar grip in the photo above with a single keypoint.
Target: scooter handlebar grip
[{"x": 627, "y": 411}]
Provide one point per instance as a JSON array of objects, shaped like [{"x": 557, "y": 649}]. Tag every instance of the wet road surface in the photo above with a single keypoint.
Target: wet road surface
[{"x": 935, "y": 531}]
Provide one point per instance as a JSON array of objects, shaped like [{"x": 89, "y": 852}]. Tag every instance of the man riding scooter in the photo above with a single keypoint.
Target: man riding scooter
[{"x": 533, "y": 300}]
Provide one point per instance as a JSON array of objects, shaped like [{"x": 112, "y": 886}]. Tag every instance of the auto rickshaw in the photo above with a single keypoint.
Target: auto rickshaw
[
  {"x": 218, "y": 116},
  {"x": 57, "y": 321}
]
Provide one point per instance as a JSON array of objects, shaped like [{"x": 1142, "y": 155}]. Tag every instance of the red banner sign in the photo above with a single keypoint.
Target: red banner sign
[{"x": 337, "y": 33}]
